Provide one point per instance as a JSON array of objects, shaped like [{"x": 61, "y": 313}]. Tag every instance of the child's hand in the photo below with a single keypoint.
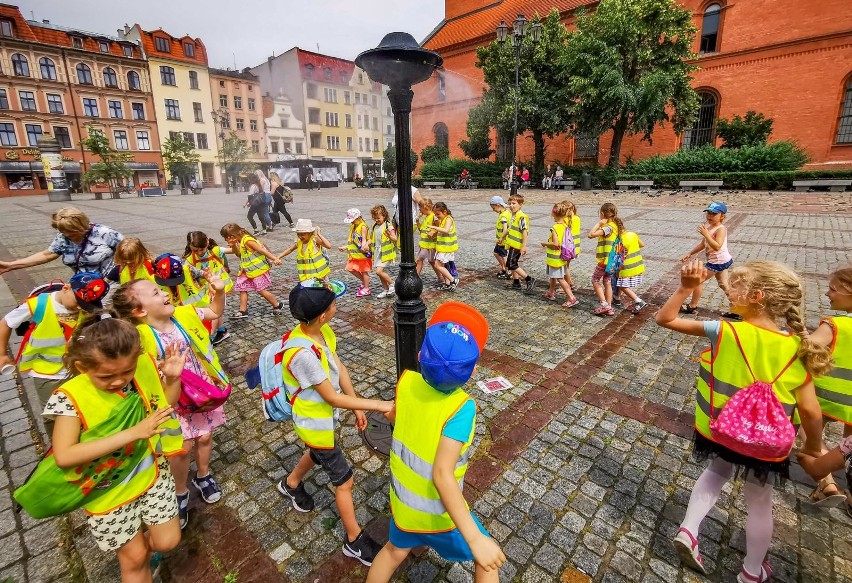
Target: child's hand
[
  {"x": 486, "y": 553},
  {"x": 342, "y": 248},
  {"x": 360, "y": 420},
  {"x": 703, "y": 230},
  {"x": 172, "y": 365},
  {"x": 214, "y": 282},
  {"x": 523, "y": 250},
  {"x": 276, "y": 261},
  {"x": 693, "y": 274},
  {"x": 807, "y": 460},
  {"x": 685, "y": 258},
  {"x": 150, "y": 426}
]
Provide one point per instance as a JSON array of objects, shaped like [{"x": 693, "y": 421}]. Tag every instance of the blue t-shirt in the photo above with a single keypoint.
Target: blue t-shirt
[{"x": 460, "y": 425}]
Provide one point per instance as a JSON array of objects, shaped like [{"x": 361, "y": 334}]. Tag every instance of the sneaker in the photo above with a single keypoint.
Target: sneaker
[
  {"x": 383, "y": 294},
  {"x": 637, "y": 307},
  {"x": 278, "y": 311},
  {"x": 570, "y": 304},
  {"x": 454, "y": 284},
  {"x": 210, "y": 490},
  {"x": 616, "y": 303},
  {"x": 220, "y": 336},
  {"x": 516, "y": 284},
  {"x": 391, "y": 291},
  {"x": 364, "y": 291},
  {"x": 263, "y": 232},
  {"x": 183, "y": 509},
  {"x": 439, "y": 284},
  {"x": 530, "y": 285},
  {"x": 447, "y": 287},
  {"x": 270, "y": 228},
  {"x": 362, "y": 548},
  {"x": 733, "y": 316},
  {"x": 686, "y": 546},
  {"x": 256, "y": 232},
  {"x": 239, "y": 314},
  {"x": 292, "y": 226},
  {"x": 302, "y": 501},
  {"x": 502, "y": 275}
]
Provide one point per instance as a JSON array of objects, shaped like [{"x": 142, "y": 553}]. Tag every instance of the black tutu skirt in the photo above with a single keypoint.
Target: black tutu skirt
[{"x": 744, "y": 466}]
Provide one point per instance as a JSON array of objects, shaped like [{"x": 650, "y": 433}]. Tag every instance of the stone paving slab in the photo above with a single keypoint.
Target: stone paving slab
[{"x": 583, "y": 467}]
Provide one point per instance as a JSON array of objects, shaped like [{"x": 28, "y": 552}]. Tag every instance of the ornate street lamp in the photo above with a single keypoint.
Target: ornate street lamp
[
  {"x": 223, "y": 118},
  {"x": 54, "y": 174},
  {"x": 399, "y": 62},
  {"x": 519, "y": 31}
]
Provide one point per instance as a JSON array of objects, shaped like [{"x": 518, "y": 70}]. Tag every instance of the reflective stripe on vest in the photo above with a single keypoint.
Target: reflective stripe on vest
[
  {"x": 834, "y": 390},
  {"x": 553, "y": 257},
  {"x": 768, "y": 353},
  {"x": 605, "y": 243},
  {"x": 633, "y": 263},
  {"x": 44, "y": 344},
  {"x": 503, "y": 218},
  {"x": 515, "y": 237},
  {"x": 252, "y": 263},
  {"x": 313, "y": 417},
  {"x": 447, "y": 242},
  {"x": 188, "y": 293},
  {"x": 93, "y": 406},
  {"x": 214, "y": 260},
  {"x": 423, "y": 225},
  {"x": 422, "y": 413},
  {"x": 311, "y": 262},
  {"x": 354, "y": 241},
  {"x": 384, "y": 247}
]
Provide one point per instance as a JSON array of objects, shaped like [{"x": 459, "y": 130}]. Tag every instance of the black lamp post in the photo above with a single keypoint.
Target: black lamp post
[
  {"x": 223, "y": 119},
  {"x": 519, "y": 31},
  {"x": 399, "y": 62}
]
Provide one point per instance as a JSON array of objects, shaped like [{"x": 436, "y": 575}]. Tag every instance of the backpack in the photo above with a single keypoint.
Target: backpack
[
  {"x": 42, "y": 290},
  {"x": 567, "y": 250},
  {"x": 288, "y": 195},
  {"x": 269, "y": 374},
  {"x": 616, "y": 257},
  {"x": 753, "y": 421}
]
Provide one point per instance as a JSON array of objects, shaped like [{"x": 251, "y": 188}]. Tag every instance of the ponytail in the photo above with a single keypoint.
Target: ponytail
[{"x": 816, "y": 357}]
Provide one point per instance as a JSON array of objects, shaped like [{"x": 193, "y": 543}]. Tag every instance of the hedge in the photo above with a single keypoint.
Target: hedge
[
  {"x": 740, "y": 180},
  {"x": 774, "y": 157}
]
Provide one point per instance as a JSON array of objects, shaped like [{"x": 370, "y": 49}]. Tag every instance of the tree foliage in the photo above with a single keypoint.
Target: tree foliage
[
  {"x": 434, "y": 153},
  {"x": 112, "y": 169},
  {"x": 478, "y": 144},
  {"x": 628, "y": 69},
  {"x": 390, "y": 160},
  {"x": 543, "y": 100},
  {"x": 180, "y": 158},
  {"x": 752, "y": 130},
  {"x": 232, "y": 155}
]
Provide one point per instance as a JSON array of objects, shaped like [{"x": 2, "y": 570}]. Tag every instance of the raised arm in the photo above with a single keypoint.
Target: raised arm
[
  {"x": 691, "y": 276},
  {"x": 34, "y": 259}
]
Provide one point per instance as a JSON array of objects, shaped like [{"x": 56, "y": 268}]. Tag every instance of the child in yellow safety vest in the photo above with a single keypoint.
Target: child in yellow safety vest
[
  {"x": 52, "y": 318},
  {"x": 384, "y": 239},
  {"x": 834, "y": 390},
  {"x": 360, "y": 258},
  {"x": 160, "y": 324},
  {"x": 434, "y": 424},
  {"x": 516, "y": 241},
  {"x": 502, "y": 230},
  {"x": 744, "y": 355},
  {"x": 426, "y": 238},
  {"x": 446, "y": 244},
  {"x": 110, "y": 370},
  {"x": 607, "y": 231},
  {"x": 254, "y": 268},
  {"x": 557, "y": 268},
  {"x": 183, "y": 284},
  {"x": 576, "y": 226},
  {"x": 632, "y": 271},
  {"x": 132, "y": 261},
  {"x": 203, "y": 253},
  {"x": 311, "y": 260},
  {"x": 320, "y": 384}
]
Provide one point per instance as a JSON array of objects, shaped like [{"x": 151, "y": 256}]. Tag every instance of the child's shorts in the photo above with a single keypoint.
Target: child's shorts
[
  {"x": 634, "y": 281},
  {"x": 600, "y": 274},
  {"x": 426, "y": 255},
  {"x": 360, "y": 265},
  {"x": 719, "y": 267},
  {"x": 512, "y": 258},
  {"x": 556, "y": 272},
  {"x": 450, "y": 545},
  {"x": 334, "y": 463},
  {"x": 156, "y": 506},
  {"x": 445, "y": 257},
  {"x": 382, "y": 264},
  {"x": 500, "y": 250}
]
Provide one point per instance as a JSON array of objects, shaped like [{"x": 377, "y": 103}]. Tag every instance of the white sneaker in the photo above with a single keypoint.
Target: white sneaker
[
  {"x": 384, "y": 294},
  {"x": 391, "y": 291}
]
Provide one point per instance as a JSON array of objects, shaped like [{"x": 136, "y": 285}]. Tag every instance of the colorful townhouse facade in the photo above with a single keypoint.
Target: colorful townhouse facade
[
  {"x": 238, "y": 103},
  {"x": 285, "y": 132}
]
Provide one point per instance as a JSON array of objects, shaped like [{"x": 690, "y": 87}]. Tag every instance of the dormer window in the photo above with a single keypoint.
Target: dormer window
[
  {"x": 76, "y": 42},
  {"x": 6, "y": 28},
  {"x": 162, "y": 44},
  {"x": 103, "y": 46},
  {"x": 128, "y": 51},
  {"x": 189, "y": 49}
]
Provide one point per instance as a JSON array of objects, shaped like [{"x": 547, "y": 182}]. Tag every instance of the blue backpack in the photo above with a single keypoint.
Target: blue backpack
[
  {"x": 616, "y": 257},
  {"x": 269, "y": 374}
]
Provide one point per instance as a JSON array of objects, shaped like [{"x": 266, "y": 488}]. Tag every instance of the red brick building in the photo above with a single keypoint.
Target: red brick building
[
  {"x": 56, "y": 80},
  {"x": 789, "y": 60}
]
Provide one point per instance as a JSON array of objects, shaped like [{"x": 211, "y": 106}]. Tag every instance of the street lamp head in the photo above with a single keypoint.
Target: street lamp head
[
  {"x": 398, "y": 61},
  {"x": 502, "y": 32},
  {"x": 535, "y": 32},
  {"x": 520, "y": 26}
]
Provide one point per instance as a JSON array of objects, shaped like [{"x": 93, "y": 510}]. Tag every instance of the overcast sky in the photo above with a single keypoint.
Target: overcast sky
[{"x": 248, "y": 31}]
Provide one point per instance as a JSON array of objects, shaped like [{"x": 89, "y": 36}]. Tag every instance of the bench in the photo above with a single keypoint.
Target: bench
[
  {"x": 433, "y": 184},
  {"x": 151, "y": 191},
  {"x": 642, "y": 185},
  {"x": 708, "y": 185},
  {"x": 832, "y": 184},
  {"x": 563, "y": 183},
  {"x": 473, "y": 185}
]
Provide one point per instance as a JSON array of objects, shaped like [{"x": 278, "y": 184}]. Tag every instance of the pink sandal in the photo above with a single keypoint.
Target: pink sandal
[
  {"x": 686, "y": 546},
  {"x": 765, "y": 574},
  {"x": 549, "y": 296},
  {"x": 570, "y": 304}
]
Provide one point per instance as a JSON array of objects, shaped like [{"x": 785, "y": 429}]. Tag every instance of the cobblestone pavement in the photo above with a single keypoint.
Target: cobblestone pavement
[{"x": 581, "y": 471}]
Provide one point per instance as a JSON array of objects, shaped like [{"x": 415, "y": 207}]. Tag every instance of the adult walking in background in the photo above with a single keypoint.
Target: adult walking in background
[
  {"x": 281, "y": 195},
  {"x": 83, "y": 246},
  {"x": 256, "y": 203},
  {"x": 266, "y": 189}
]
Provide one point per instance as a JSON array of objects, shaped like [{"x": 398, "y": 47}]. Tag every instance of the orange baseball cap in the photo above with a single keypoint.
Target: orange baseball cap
[{"x": 465, "y": 315}]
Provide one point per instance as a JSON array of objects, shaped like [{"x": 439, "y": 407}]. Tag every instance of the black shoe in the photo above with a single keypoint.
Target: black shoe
[
  {"x": 362, "y": 548},
  {"x": 514, "y": 285},
  {"x": 183, "y": 509},
  {"x": 530, "y": 285},
  {"x": 220, "y": 336},
  {"x": 302, "y": 501},
  {"x": 278, "y": 311},
  {"x": 733, "y": 316},
  {"x": 617, "y": 304},
  {"x": 687, "y": 309},
  {"x": 502, "y": 275}
]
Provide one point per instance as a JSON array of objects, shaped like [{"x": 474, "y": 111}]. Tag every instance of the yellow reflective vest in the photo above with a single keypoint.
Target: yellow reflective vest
[
  {"x": 311, "y": 262},
  {"x": 421, "y": 413},
  {"x": 423, "y": 224},
  {"x": 503, "y": 218},
  {"x": 144, "y": 271},
  {"x": 769, "y": 354},
  {"x": 516, "y": 230},
  {"x": 188, "y": 293},
  {"x": 313, "y": 417},
  {"x": 252, "y": 263},
  {"x": 93, "y": 406},
  {"x": 576, "y": 232},
  {"x": 447, "y": 242},
  {"x": 633, "y": 263},
  {"x": 354, "y": 241},
  {"x": 383, "y": 248},
  {"x": 214, "y": 260},
  {"x": 43, "y": 346},
  {"x": 553, "y": 257},
  {"x": 605, "y": 243},
  {"x": 834, "y": 390}
]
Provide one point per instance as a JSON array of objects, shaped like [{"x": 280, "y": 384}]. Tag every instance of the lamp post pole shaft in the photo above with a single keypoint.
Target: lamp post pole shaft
[
  {"x": 513, "y": 184},
  {"x": 409, "y": 310}
]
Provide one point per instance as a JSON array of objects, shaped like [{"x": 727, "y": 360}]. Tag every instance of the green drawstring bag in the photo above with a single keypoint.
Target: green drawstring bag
[{"x": 51, "y": 490}]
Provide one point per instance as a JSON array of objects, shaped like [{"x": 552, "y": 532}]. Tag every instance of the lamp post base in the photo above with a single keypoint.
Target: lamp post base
[
  {"x": 379, "y": 433},
  {"x": 62, "y": 195},
  {"x": 513, "y": 187}
]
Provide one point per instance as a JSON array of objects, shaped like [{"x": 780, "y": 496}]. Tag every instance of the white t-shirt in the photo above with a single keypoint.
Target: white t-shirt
[
  {"x": 22, "y": 313},
  {"x": 415, "y": 210}
]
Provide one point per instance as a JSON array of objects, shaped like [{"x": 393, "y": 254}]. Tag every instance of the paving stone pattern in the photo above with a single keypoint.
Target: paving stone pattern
[{"x": 582, "y": 468}]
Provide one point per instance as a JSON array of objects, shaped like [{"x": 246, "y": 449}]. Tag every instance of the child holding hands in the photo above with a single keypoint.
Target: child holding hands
[{"x": 311, "y": 261}]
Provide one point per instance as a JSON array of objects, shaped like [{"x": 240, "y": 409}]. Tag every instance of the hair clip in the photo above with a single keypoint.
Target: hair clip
[
  {"x": 81, "y": 337},
  {"x": 104, "y": 316}
]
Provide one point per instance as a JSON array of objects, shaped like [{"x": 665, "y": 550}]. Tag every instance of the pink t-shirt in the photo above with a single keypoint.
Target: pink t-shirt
[{"x": 721, "y": 256}]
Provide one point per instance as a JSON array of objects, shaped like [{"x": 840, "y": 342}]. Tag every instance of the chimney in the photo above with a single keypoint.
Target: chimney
[
  {"x": 126, "y": 29},
  {"x": 120, "y": 32},
  {"x": 45, "y": 21}
]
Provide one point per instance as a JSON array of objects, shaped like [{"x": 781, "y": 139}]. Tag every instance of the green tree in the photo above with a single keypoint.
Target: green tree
[
  {"x": 181, "y": 159},
  {"x": 389, "y": 163},
  {"x": 752, "y": 130},
  {"x": 477, "y": 146},
  {"x": 544, "y": 103},
  {"x": 628, "y": 69},
  {"x": 434, "y": 153},
  {"x": 232, "y": 155},
  {"x": 112, "y": 169}
]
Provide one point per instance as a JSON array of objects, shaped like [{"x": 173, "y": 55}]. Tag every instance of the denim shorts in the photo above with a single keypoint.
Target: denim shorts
[
  {"x": 450, "y": 544},
  {"x": 334, "y": 463},
  {"x": 500, "y": 250},
  {"x": 719, "y": 267}
]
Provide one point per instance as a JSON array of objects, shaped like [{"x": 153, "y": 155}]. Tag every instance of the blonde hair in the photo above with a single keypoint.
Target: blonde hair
[
  {"x": 783, "y": 297},
  {"x": 843, "y": 277},
  {"x": 572, "y": 208},
  {"x": 426, "y": 203},
  {"x": 132, "y": 253},
  {"x": 379, "y": 211},
  {"x": 232, "y": 230},
  {"x": 560, "y": 210},
  {"x": 69, "y": 220}
]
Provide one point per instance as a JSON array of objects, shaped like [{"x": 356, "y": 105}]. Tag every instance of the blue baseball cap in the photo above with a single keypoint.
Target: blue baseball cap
[
  {"x": 89, "y": 289},
  {"x": 717, "y": 207},
  {"x": 453, "y": 343},
  {"x": 497, "y": 200},
  {"x": 168, "y": 270}
]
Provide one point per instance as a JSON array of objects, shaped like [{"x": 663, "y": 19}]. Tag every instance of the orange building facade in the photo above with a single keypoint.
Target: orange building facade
[
  {"x": 790, "y": 60},
  {"x": 61, "y": 81}
]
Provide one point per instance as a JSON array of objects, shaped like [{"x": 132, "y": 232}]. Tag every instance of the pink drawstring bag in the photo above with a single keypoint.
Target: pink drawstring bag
[
  {"x": 198, "y": 395},
  {"x": 753, "y": 421}
]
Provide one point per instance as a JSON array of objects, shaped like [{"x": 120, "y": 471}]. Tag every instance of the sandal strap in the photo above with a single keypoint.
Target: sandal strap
[{"x": 693, "y": 541}]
